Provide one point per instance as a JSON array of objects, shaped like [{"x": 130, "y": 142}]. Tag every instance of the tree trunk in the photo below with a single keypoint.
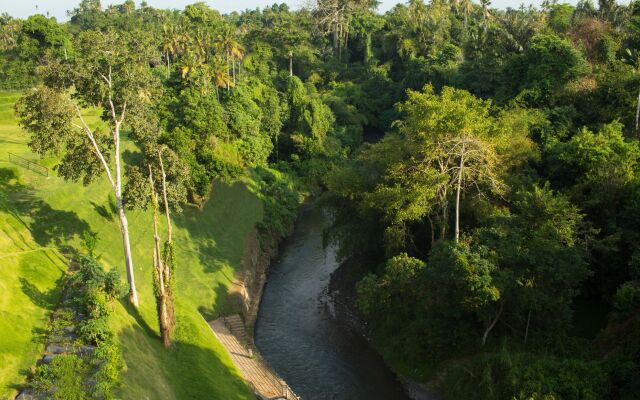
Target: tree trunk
[
  {"x": 233, "y": 69},
  {"x": 526, "y": 331},
  {"x": 445, "y": 221},
  {"x": 458, "y": 190},
  {"x": 124, "y": 225},
  {"x": 168, "y": 66},
  {"x": 124, "y": 229},
  {"x": 493, "y": 323},
  {"x": 290, "y": 63},
  {"x": 638, "y": 115},
  {"x": 159, "y": 274},
  {"x": 164, "y": 198},
  {"x": 168, "y": 259},
  {"x": 433, "y": 231}
]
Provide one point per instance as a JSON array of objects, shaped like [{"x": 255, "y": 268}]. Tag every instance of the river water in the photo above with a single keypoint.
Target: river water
[{"x": 296, "y": 335}]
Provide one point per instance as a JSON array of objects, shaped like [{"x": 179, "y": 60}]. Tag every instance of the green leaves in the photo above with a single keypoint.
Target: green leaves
[
  {"x": 48, "y": 114},
  {"x": 462, "y": 276}
]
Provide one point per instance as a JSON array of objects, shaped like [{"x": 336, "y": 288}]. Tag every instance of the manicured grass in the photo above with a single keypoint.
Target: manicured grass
[{"x": 209, "y": 249}]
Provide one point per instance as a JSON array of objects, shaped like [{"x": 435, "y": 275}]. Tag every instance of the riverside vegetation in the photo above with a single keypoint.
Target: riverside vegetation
[{"x": 481, "y": 165}]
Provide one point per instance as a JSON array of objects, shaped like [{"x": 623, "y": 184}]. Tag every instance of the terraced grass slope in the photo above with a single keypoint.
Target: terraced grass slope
[{"x": 42, "y": 217}]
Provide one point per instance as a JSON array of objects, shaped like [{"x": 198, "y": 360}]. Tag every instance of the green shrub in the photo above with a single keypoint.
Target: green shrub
[
  {"x": 108, "y": 358},
  {"x": 627, "y": 297},
  {"x": 280, "y": 201},
  {"x": 510, "y": 375},
  {"x": 66, "y": 376}
]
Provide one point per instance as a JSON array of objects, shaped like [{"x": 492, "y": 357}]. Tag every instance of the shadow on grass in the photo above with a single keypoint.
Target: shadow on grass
[
  {"x": 217, "y": 233},
  {"x": 219, "y": 229},
  {"x": 108, "y": 212},
  {"x": 43, "y": 299},
  {"x": 183, "y": 371},
  {"x": 135, "y": 313},
  {"x": 47, "y": 225},
  {"x": 227, "y": 303}
]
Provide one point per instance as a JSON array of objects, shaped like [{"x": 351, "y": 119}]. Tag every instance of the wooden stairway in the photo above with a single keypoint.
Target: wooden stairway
[
  {"x": 237, "y": 328},
  {"x": 231, "y": 332}
]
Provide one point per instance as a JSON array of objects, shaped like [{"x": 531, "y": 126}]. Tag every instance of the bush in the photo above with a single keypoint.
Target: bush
[
  {"x": 280, "y": 201},
  {"x": 510, "y": 375},
  {"x": 627, "y": 298},
  {"x": 65, "y": 375}
]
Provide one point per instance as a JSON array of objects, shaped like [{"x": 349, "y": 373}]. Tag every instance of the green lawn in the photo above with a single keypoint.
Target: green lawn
[{"x": 40, "y": 217}]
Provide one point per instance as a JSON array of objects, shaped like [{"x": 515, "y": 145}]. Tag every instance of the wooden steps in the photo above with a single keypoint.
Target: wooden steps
[
  {"x": 237, "y": 328},
  {"x": 232, "y": 333}
]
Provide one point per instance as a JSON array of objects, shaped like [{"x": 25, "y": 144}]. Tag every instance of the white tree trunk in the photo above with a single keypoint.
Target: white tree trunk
[
  {"x": 124, "y": 228},
  {"x": 458, "y": 190},
  {"x": 124, "y": 225},
  {"x": 526, "y": 331},
  {"x": 290, "y": 63},
  {"x": 161, "y": 297},
  {"x": 493, "y": 323},
  {"x": 164, "y": 198},
  {"x": 168, "y": 66},
  {"x": 638, "y": 115}
]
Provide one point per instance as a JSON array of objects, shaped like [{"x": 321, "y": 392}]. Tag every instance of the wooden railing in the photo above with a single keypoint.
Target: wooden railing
[{"x": 30, "y": 165}]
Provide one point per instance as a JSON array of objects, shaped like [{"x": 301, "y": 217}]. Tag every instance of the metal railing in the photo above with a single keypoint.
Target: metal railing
[{"x": 30, "y": 165}]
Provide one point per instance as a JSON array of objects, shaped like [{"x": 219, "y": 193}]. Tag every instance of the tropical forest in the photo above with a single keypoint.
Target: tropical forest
[{"x": 322, "y": 200}]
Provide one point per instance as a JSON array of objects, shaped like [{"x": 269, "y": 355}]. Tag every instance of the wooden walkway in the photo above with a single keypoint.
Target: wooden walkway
[{"x": 231, "y": 332}]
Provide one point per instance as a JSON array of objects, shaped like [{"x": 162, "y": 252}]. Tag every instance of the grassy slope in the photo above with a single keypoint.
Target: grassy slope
[
  {"x": 28, "y": 270},
  {"x": 210, "y": 244}
]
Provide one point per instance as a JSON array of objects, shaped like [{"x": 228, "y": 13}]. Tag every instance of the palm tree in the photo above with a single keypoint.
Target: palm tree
[
  {"x": 8, "y": 32},
  {"x": 230, "y": 47},
  {"x": 170, "y": 44},
  {"x": 486, "y": 13},
  {"x": 466, "y": 7},
  {"x": 237, "y": 52},
  {"x": 220, "y": 73}
]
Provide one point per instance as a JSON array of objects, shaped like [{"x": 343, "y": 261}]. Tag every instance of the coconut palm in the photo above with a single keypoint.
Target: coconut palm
[
  {"x": 220, "y": 74},
  {"x": 8, "y": 33},
  {"x": 466, "y": 8},
  {"x": 227, "y": 43},
  {"x": 486, "y": 13},
  {"x": 170, "y": 44}
]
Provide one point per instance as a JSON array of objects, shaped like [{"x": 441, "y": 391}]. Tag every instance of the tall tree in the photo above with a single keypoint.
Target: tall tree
[
  {"x": 111, "y": 71},
  {"x": 451, "y": 135},
  {"x": 334, "y": 17},
  {"x": 163, "y": 261}
]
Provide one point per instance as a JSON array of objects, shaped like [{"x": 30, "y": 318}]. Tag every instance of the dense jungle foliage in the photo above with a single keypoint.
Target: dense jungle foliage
[{"x": 483, "y": 164}]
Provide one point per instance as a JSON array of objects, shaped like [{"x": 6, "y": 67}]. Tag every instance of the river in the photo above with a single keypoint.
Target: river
[{"x": 318, "y": 357}]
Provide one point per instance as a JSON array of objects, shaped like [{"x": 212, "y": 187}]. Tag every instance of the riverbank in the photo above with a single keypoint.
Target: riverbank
[
  {"x": 337, "y": 300},
  {"x": 343, "y": 295},
  {"x": 298, "y": 337}
]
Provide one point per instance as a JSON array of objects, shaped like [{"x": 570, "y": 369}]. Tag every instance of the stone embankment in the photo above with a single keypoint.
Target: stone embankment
[
  {"x": 235, "y": 332},
  {"x": 266, "y": 384}
]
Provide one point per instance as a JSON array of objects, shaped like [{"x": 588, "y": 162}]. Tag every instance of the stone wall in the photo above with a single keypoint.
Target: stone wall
[{"x": 246, "y": 292}]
